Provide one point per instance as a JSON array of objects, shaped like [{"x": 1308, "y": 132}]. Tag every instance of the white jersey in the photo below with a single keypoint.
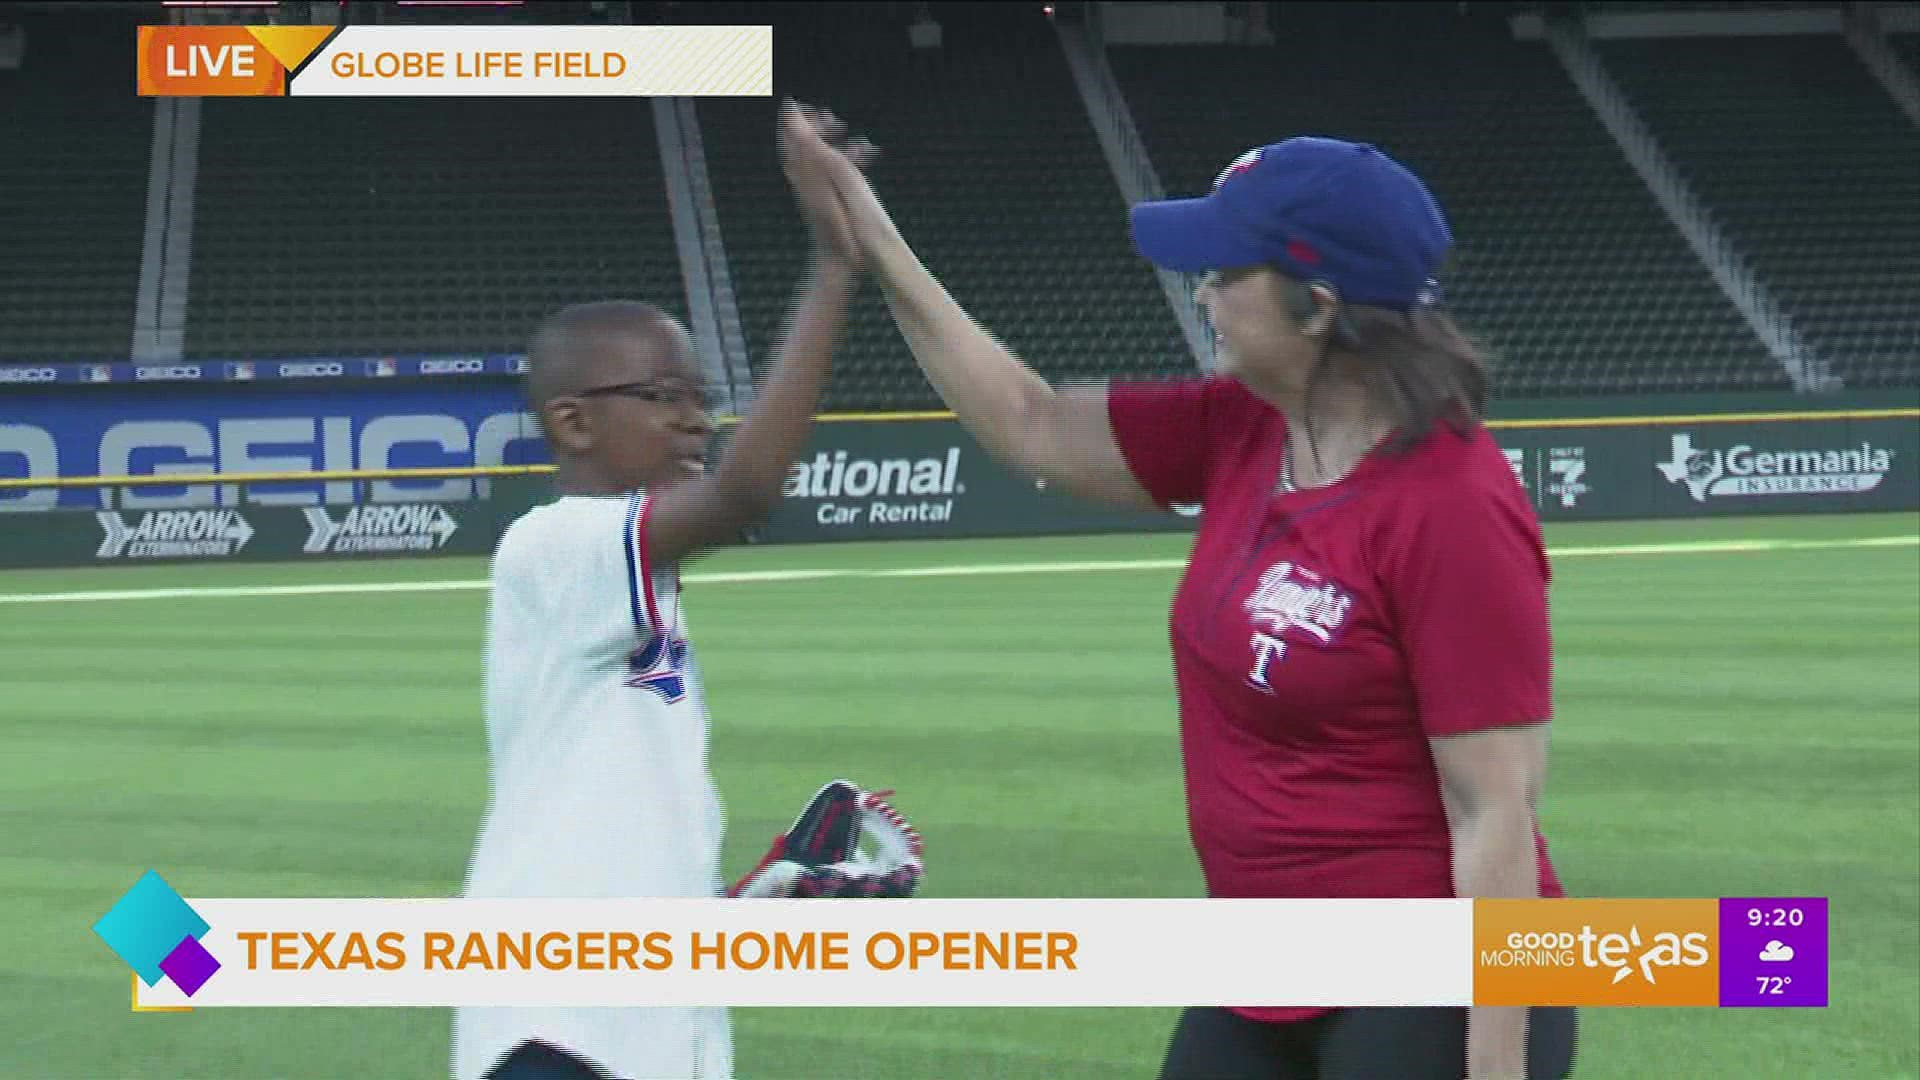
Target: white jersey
[{"x": 597, "y": 731}]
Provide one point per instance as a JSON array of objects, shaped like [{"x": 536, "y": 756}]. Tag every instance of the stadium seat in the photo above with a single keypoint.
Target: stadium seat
[
  {"x": 1565, "y": 266},
  {"x": 370, "y": 226},
  {"x": 544, "y": 13},
  {"x": 989, "y": 164},
  {"x": 1814, "y": 173},
  {"x": 1907, "y": 47},
  {"x": 73, "y": 190}
]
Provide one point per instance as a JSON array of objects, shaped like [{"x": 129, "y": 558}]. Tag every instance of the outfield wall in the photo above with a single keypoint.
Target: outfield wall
[
  {"x": 862, "y": 478},
  {"x": 873, "y": 480}
]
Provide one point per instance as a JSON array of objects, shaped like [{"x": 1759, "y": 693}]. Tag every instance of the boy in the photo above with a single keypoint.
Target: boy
[{"x": 596, "y": 718}]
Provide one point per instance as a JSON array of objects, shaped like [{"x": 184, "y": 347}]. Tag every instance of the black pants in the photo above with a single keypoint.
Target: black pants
[
  {"x": 1353, "y": 1044},
  {"x": 538, "y": 1061}
]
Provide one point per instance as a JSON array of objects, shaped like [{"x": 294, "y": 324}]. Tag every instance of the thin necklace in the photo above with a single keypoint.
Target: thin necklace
[
  {"x": 679, "y": 596},
  {"x": 1287, "y": 486}
]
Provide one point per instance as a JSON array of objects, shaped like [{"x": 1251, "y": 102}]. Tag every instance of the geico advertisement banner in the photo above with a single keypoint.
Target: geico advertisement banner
[
  {"x": 323, "y": 368},
  {"x": 157, "y": 430},
  {"x": 863, "y": 480}
]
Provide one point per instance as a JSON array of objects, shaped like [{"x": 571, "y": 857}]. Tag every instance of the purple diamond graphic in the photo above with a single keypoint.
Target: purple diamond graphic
[{"x": 189, "y": 965}]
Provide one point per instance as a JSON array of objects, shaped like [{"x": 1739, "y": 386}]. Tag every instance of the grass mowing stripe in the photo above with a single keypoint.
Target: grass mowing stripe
[
  {"x": 1739, "y": 724},
  {"x": 1703, "y": 547}
]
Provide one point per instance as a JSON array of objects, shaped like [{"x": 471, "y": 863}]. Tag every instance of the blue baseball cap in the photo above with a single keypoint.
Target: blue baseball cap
[{"x": 1318, "y": 209}]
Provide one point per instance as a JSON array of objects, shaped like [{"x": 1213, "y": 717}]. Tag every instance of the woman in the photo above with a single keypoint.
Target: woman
[{"x": 1361, "y": 641}]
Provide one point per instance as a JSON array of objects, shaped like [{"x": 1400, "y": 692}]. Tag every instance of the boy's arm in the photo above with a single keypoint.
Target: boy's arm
[
  {"x": 743, "y": 487},
  {"x": 692, "y": 516}
]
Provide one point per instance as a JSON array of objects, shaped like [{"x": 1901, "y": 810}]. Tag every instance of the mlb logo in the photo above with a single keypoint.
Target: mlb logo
[
  {"x": 382, "y": 369},
  {"x": 99, "y": 373},
  {"x": 240, "y": 372}
]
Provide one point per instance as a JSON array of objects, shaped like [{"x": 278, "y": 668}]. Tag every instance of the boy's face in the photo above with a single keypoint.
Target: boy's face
[{"x": 639, "y": 415}]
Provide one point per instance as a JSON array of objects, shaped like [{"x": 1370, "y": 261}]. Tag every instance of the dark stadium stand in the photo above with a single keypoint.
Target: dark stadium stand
[
  {"x": 434, "y": 225},
  {"x": 1564, "y": 264},
  {"x": 330, "y": 226},
  {"x": 73, "y": 190},
  {"x": 1907, "y": 47},
  {"x": 993, "y": 172},
  {"x": 542, "y": 13},
  {"x": 1814, "y": 172}
]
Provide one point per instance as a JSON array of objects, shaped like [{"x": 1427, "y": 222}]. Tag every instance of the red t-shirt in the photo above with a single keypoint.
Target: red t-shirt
[{"x": 1321, "y": 637}]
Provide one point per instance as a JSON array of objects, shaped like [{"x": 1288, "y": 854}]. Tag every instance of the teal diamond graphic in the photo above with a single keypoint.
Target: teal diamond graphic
[{"x": 148, "y": 924}]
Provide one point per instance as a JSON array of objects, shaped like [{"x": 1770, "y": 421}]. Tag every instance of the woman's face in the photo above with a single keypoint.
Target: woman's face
[{"x": 1258, "y": 340}]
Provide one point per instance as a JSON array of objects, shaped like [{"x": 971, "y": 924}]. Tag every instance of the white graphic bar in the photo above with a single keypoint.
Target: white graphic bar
[
  {"x": 529, "y": 61},
  {"x": 831, "y": 953}
]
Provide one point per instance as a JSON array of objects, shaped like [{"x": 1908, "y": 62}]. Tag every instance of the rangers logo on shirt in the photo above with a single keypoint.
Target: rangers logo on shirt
[
  {"x": 661, "y": 666},
  {"x": 1291, "y": 597}
]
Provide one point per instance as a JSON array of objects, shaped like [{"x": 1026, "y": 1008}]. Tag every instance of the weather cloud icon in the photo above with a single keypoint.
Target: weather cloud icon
[{"x": 1777, "y": 952}]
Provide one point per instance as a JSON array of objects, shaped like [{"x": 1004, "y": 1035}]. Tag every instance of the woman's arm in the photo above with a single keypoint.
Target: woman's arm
[
  {"x": 1063, "y": 437},
  {"x": 1490, "y": 782}
]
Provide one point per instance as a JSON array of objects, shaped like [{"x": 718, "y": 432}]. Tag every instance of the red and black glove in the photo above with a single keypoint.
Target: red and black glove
[{"x": 821, "y": 856}]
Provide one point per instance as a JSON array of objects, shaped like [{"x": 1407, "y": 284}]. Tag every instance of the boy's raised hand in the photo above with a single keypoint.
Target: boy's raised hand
[{"x": 810, "y": 141}]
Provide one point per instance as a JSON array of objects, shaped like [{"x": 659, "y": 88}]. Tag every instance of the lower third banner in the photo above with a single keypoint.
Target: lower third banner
[{"x": 937, "y": 952}]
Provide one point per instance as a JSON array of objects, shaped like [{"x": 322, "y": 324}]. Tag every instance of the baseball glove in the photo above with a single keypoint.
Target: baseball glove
[{"x": 821, "y": 855}]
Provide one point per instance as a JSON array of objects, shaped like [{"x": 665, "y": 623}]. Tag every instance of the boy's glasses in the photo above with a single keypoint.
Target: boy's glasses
[{"x": 670, "y": 394}]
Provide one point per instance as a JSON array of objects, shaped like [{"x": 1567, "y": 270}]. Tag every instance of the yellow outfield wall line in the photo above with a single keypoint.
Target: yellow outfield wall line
[{"x": 482, "y": 471}]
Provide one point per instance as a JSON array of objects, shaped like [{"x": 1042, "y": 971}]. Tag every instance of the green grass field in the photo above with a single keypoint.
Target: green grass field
[{"x": 1730, "y": 723}]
